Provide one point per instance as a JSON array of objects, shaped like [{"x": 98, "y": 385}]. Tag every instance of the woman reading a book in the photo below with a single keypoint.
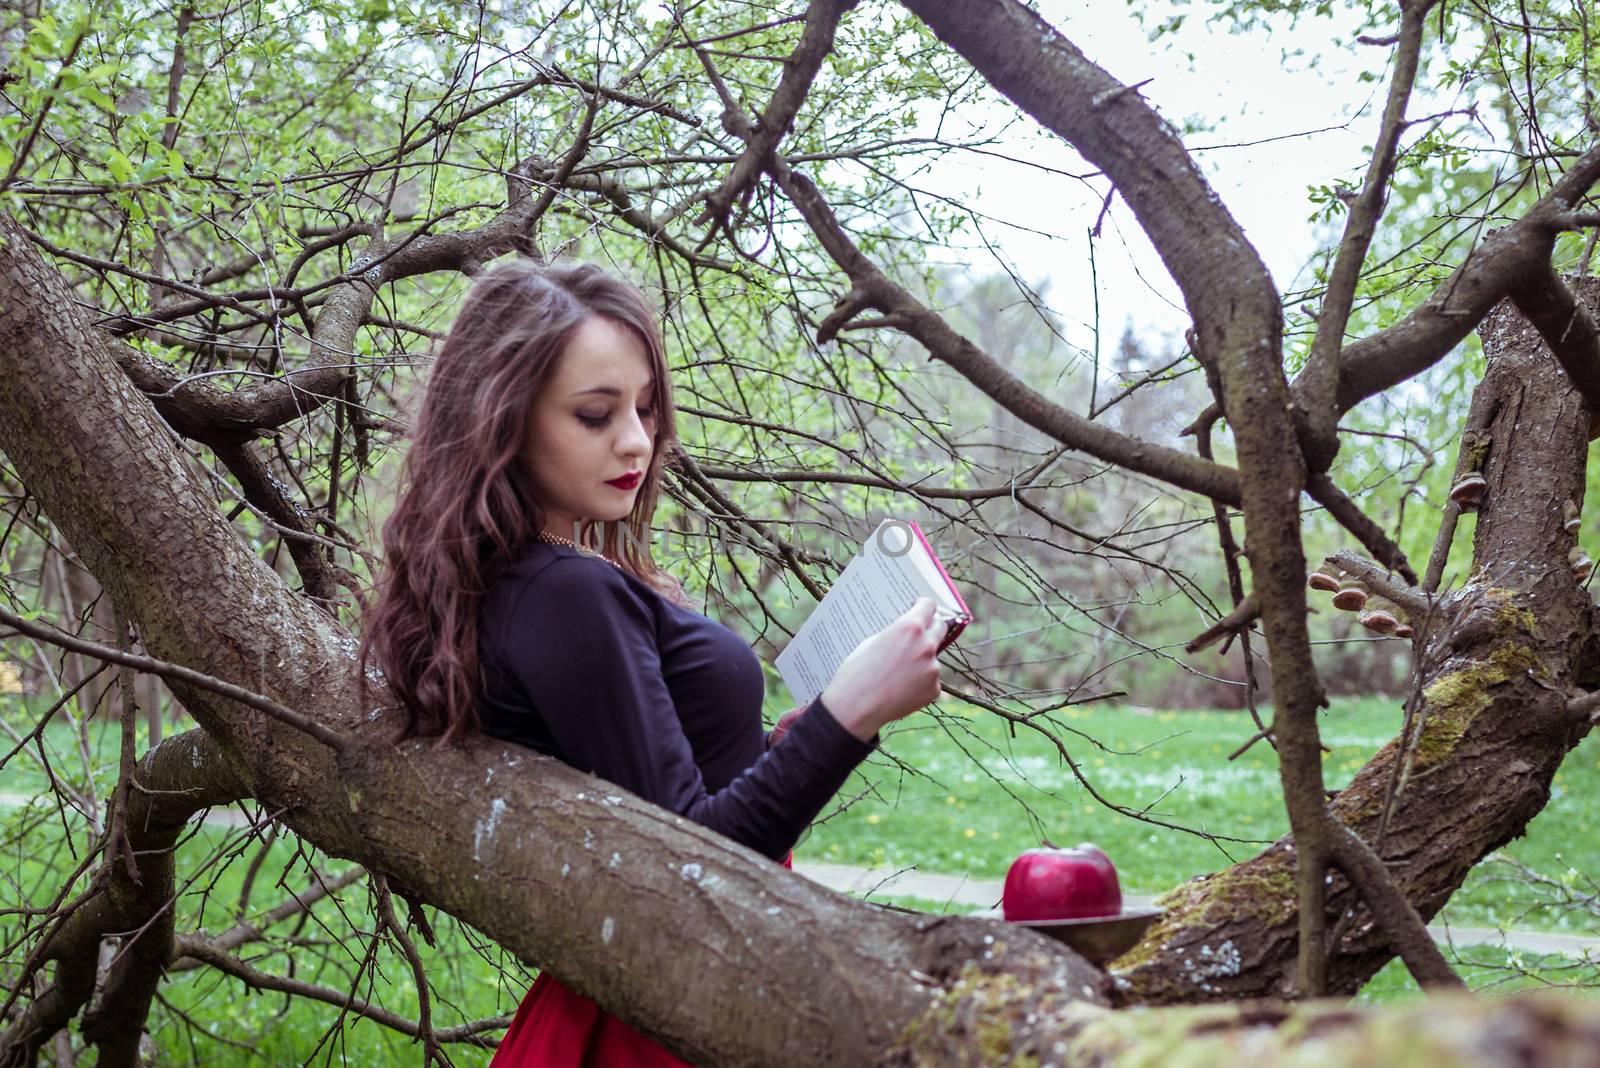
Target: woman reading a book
[{"x": 520, "y": 601}]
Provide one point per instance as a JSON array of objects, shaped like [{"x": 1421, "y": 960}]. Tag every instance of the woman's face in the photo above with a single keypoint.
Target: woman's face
[{"x": 592, "y": 422}]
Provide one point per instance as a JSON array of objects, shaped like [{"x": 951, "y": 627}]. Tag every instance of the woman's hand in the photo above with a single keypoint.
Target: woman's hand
[
  {"x": 781, "y": 728},
  {"x": 889, "y": 675}
]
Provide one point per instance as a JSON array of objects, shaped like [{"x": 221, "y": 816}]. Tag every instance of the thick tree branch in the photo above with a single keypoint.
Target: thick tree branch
[
  {"x": 1394, "y": 915},
  {"x": 1350, "y": 516},
  {"x": 1566, "y": 326},
  {"x": 1457, "y": 304},
  {"x": 799, "y": 70},
  {"x": 1244, "y": 613},
  {"x": 870, "y": 285},
  {"x": 1380, "y": 580},
  {"x": 1443, "y": 539},
  {"x": 1471, "y": 459},
  {"x": 270, "y": 495}
]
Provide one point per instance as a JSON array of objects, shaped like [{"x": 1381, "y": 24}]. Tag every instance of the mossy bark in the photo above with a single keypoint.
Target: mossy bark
[{"x": 1445, "y": 1032}]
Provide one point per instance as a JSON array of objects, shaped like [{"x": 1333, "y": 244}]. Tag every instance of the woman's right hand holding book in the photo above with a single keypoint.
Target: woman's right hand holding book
[{"x": 889, "y": 675}]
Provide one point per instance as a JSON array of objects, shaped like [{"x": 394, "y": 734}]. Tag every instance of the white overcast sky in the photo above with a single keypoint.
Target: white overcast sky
[{"x": 1240, "y": 84}]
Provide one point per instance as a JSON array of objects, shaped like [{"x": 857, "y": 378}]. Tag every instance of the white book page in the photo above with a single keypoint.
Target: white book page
[
  {"x": 873, "y": 591},
  {"x": 905, "y": 566}
]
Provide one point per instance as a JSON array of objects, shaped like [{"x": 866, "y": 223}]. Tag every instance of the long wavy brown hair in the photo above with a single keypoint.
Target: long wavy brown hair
[{"x": 466, "y": 505}]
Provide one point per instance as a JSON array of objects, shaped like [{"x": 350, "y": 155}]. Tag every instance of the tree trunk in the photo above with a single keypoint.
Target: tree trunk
[{"x": 1447, "y": 1031}]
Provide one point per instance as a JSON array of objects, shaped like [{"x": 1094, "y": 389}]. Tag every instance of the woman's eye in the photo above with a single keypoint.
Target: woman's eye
[{"x": 595, "y": 422}]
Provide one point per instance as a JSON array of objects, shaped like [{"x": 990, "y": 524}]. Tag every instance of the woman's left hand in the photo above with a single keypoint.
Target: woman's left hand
[{"x": 781, "y": 728}]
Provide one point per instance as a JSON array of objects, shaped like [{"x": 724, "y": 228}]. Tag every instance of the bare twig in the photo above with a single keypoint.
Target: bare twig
[
  {"x": 1318, "y": 383},
  {"x": 288, "y": 716},
  {"x": 202, "y": 950},
  {"x": 430, "y": 1042}
]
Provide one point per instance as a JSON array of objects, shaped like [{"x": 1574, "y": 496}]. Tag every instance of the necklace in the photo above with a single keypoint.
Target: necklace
[{"x": 557, "y": 539}]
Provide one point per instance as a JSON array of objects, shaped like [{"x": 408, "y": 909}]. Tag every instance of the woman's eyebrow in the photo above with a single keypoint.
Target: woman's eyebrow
[{"x": 611, "y": 391}]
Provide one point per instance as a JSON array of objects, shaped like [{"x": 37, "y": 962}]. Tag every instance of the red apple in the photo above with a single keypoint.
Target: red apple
[{"x": 1061, "y": 884}]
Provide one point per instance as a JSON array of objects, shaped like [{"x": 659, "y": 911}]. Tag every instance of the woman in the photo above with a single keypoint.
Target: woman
[{"x": 520, "y": 601}]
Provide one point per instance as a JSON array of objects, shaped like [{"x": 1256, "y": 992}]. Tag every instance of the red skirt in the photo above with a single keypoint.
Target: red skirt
[{"x": 557, "y": 1028}]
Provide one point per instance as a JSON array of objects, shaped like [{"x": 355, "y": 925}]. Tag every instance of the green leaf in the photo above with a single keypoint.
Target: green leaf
[
  {"x": 45, "y": 37},
  {"x": 97, "y": 96},
  {"x": 120, "y": 166}
]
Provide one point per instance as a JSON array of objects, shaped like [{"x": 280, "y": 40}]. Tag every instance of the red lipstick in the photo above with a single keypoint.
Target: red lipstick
[{"x": 627, "y": 481}]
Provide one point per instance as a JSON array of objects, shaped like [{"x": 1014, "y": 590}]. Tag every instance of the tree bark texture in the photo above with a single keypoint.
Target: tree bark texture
[{"x": 1447, "y": 1031}]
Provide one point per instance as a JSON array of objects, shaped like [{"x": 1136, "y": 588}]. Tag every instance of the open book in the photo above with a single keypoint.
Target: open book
[{"x": 896, "y": 565}]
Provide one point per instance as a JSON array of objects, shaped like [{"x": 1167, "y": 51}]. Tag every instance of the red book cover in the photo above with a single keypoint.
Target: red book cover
[{"x": 958, "y": 623}]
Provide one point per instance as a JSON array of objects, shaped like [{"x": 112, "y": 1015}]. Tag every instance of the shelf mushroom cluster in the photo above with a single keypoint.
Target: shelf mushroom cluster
[
  {"x": 1468, "y": 491},
  {"x": 1378, "y": 614},
  {"x": 1382, "y": 616},
  {"x": 1577, "y": 559}
]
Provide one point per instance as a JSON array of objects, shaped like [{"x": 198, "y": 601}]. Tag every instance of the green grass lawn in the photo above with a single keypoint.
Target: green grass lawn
[
  {"x": 1490, "y": 970},
  {"x": 959, "y": 795}
]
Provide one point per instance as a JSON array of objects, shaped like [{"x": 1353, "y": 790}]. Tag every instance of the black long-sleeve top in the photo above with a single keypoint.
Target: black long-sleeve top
[{"x": 587, "y": 663}]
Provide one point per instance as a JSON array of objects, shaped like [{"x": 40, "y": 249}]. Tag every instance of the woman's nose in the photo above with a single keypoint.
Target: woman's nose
[{"x": 635, "y": 440}]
